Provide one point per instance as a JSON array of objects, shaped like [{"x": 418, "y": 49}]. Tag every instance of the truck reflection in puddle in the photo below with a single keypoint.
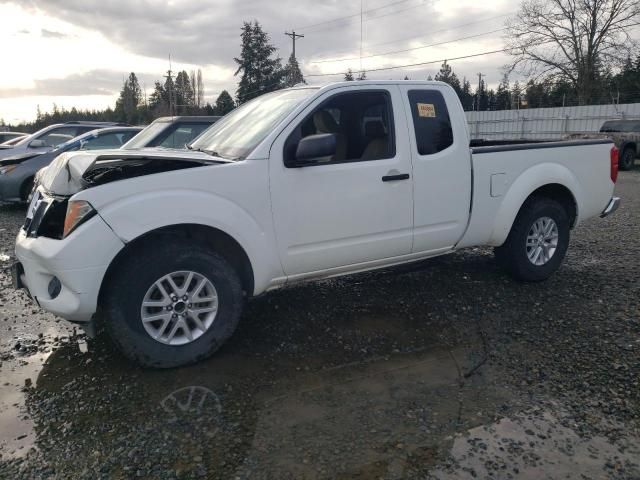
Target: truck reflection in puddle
[{"x": 252, "y": 417}]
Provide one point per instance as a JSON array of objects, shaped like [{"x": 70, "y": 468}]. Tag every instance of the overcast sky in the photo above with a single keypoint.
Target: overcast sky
[{"x": 77, "y": 52}]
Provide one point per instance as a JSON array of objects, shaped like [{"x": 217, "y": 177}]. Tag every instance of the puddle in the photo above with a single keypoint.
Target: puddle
[
  {"x": 246, "y": 417},
  {"x": 17, "y": 435},
  {"x": 539, "y": 444}
]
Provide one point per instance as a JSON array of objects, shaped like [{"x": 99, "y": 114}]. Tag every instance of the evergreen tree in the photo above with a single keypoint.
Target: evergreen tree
[
  {"x": 130, "y": 98},
  {"x": 503, "y": 95},
  {"x": 536, "y": 94},
  {"x": 293, "y": 74},
  {"x": 185, "y": 100},
  {"x": 348, "y": 77},
  {"x": 466, "y": 97},
  {"x": 362, "y": 76},
  {"x": 224, "y": 103},
  {"x": 447, "y": 75},
  {"x": 491, "y": 100},
  {"x": 516, "y": 95},
  {"x": 482, "y": 97},
  {"x": 158, "y": 98},
  {"x": 261, "y": 72},
  {"x": 170, "y": 95}
]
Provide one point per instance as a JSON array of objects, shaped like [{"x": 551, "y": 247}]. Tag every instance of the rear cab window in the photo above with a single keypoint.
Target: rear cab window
[{"x": 431, "y": 122}]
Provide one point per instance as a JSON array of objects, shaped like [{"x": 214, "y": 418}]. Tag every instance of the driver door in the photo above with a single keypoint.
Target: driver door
[{"x": 355, "y": 208}]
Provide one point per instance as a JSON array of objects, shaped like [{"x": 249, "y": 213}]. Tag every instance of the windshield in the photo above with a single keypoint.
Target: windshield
[
  {"x": 235, "y": 135},
  {"x": 74, "y": 142},
  {"x": 146, "y": 135}
]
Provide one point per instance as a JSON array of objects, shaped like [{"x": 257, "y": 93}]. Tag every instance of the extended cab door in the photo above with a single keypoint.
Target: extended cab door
[
  {"x": 355, "y": 206},
  {"x": 441, "y": 166}
]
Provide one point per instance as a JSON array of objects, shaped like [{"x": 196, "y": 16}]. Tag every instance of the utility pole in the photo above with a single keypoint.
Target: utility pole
[
  {"x": 480, "y": 75},
  {"x": 293, "y": 35}
]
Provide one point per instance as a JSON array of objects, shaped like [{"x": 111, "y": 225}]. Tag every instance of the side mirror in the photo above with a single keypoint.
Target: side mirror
[
  {"x": 315, "y": 148},
  {"x": 37, "y": 143}
]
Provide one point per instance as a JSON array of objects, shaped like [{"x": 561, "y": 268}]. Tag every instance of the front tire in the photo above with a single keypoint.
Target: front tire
[
  {"x": 172, "y": 303},
  {"x": 627, "y": 158},
  {"x": 538, "y": 241}
]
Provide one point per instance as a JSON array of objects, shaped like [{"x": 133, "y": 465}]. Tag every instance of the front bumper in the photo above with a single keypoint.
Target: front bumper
[
  {"x": 79, "y": 262},
  {"x": 613, "y": 205}
]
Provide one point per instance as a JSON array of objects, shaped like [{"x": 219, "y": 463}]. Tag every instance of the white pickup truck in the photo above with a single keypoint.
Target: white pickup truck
[{"x": 299, "y": 184}]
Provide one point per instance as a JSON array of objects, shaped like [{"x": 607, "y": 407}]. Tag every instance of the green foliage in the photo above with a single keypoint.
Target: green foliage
[
  {"x": 224, "y": 104},
  {"x": 503, "y": 95},
  {"x": 184, "y": 94},
  {"x": 130, "y": 98},
  {"x": 348, "y": 77},
  {"x": 447, "y": 75},
  {"x": 293, "y": 75},
  {"x": 261, "y": 71}
]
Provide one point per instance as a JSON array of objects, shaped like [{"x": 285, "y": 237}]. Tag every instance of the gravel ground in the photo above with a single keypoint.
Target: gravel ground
[{"x": 445, "y": 369}]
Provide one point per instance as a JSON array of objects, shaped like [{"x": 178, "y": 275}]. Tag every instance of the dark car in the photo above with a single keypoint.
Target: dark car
[
  {"x": 17, "y": 171},
  {"x": 171, "y": 132},
  {"x": 50, "y": 137},
  {"x": 7, "y": 136},
  {"x": 626, "y": 135}
]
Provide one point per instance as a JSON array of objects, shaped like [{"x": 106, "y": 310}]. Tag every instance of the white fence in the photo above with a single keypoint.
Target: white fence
[{"x": 541, "y": 123}]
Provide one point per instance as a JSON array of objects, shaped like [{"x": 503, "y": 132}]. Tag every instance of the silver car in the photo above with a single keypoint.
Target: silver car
[
  {"x": 50, "y": 137},
  {"x": 18, "y": 170},
  {"x": 7, "y": 136}
]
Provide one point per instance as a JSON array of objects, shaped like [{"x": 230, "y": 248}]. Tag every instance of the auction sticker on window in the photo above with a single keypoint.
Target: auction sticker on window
[{"x": 426, "y": 110}]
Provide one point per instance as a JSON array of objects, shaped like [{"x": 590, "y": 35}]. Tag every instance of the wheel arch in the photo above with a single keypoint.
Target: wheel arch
[
  {"x": 216, "y": 239},
  {"x": 545, "y": 180},
  {"x": 24, "y": 187}
]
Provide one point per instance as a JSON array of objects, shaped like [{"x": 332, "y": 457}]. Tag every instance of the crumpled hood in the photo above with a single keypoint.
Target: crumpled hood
[{"x": 65, "y": 176}]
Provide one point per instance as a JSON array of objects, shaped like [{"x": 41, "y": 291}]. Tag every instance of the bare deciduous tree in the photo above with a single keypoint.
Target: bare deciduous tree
[{"x": 573, "y": 40}]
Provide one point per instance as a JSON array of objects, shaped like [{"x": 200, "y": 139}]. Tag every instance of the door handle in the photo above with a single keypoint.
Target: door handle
[{"x": 396, "y": 177}]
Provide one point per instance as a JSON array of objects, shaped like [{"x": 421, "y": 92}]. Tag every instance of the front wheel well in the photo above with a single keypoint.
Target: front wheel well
[
  {"x": 560, "y": 194},
  {"x": 25, "y": 188},
  {"x": 217, "y": 240}
]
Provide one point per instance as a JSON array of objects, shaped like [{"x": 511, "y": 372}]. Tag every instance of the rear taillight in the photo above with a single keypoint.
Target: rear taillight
[{"x": 614, "y": 164}]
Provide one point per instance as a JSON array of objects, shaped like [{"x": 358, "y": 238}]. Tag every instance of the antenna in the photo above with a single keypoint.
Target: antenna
[
  {"x": 169, "y": 77},
  {"x": 361, "y": 22}
]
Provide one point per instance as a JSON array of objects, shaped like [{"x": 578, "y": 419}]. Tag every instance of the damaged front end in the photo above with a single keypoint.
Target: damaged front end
[{"x": 72, "y": 172}]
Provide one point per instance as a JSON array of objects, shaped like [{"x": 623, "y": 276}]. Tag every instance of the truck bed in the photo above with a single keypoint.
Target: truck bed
[{"x": 487, "y": 146}]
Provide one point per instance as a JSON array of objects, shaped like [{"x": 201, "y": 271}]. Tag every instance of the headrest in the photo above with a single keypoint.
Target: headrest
[
  {"x": 374, "y": 129},
  {"x": 324, "y": 122}
]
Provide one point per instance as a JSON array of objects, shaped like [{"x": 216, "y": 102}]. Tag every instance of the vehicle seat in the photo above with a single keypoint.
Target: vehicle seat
[
  {"x": 378, "y": 146},
  {"x": 325, "y": 123}
]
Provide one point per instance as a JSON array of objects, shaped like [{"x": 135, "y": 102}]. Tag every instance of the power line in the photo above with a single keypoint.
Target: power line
[
  {"x": 410, "y": 49},
  {"x": 355, "y": 15},
  {"x": 430, "y": 62},
  {"x": 408, "y": 39},
  {"x": 395, "y": 67}
]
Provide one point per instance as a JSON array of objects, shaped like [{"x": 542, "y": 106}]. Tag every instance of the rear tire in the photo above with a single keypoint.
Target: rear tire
[
  {"x": 136, "y": 281},
  {"x": 538, "y": 241},
  {"x": 627, "y": 159}
]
